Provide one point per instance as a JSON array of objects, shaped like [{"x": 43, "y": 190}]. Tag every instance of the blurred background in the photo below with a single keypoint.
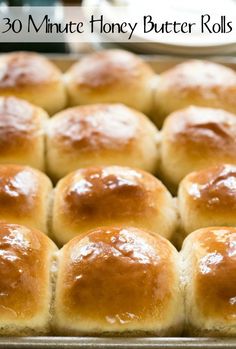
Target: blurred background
[{"x": 188, "y": 9}]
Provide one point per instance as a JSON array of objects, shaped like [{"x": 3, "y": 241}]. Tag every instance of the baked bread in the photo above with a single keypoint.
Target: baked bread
[
  {"x": 111, "y": 76},
  {"x": 208, "y": 198},
  {"x": 26, "y": 259},
  {"x": 209, "y": 281},
  {"x": 195, "y": 138},
  {"x": 22, "y": 133},
  {"x": 195, "y": 82},
  {"x": 25, "y": 195},
  {"x": 96, "y": 196},
  {"x": 102, "y": 134},
  {"x": 32, "y": 77},
  {"x": 118, "y": 282}
]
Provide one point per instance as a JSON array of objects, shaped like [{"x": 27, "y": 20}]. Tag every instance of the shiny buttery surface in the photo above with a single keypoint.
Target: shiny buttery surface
[
  {"x": 95, "y": 127},
  {"x": 203, "y": 128},
  {"x": 215, "y": 250},
  {"x": 116, "y": 276},
  {"x": 215, "y": 187},
  {"x": 18, "y": 126},
  {"x": 21, "y": 268},
  {"x": 18, "y": 190},
  {"x": 113, "y": 192}
]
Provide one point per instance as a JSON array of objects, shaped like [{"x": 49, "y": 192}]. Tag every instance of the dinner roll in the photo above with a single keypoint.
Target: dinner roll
[
  {"x": 24, "y": 196},
  {"x": 102, "y": 134},
  {"x": 96, "y": 196},
  {"x": 195, "y": 82},
  {"x": 26, "y": 257},
  {"x": 195, "y": 138},
  {"x": 111, "y": 76},
  {"x": 208, "y": 198},
  {"x": 22, "y": 133},
  {"x": 32, "y": 77},
  {"x": 118, "y": 281},
  {"x": 209, "y": 281}
]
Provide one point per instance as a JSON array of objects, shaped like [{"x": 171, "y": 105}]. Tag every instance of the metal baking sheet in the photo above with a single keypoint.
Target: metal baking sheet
[
  {"x": 116, "y": 343},
  {"x": 159, "y": 64}
]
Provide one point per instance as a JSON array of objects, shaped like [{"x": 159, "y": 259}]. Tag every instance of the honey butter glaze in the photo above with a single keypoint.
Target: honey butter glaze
[
  {"x": 215, "y": 278},
  {"x": 20, "y": 69},
  {"x": 95, "y": 127},
  {"x": 214, "y": 188},
  {"x": 203, "y": 128},
  {"x": 116, "y": 276},
  {"x": 21, "y": 270},
  {"x": 110, "y": 193},
  {"x": 18, "y": 190},
  {"x": 18, "y": 125}
]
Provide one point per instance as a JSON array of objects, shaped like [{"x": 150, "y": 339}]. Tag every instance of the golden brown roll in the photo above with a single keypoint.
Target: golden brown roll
[
  {"x": 32, "y": 77},
  {"x": 208, "y": 198},
  {"x": 22, "y": 133},
  {"x": 25, "y": 195},
  {"x": 26, "y": 258},
  {"x": 111, "y": 76},
  {"x": 102, "y": 134},
  {"x": 118, "y": 281},
  {"x": 195, "y": 138},
  {"x": 96, "y": 196},
  {"x": 195, "y": 82},
  {"x": 209, "y": 281}
]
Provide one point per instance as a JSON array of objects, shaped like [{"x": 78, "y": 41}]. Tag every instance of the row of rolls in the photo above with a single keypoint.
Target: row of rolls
[
  {"x": 115, "y": 195},
  {"x": 117, "y": 281},
  {"x": 117, "y": 273},
  {"x": 108, "y": 127},
  {"x": 117, "y": 76},
  {"x": 191, "y": 139}
]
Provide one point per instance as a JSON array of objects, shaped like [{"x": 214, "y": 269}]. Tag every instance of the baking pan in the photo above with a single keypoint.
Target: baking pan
[
  {"x": 159, "y": 64},
  {"x": 115, "y": 343}
]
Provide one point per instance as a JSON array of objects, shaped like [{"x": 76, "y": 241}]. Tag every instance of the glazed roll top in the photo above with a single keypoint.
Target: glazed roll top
[
  {"x": 32, "y": 77},
  {"x": 102, "y": 134},
  {"x": 111, "y": 76},
  {"x": 25, "y": 283},
  {"x": 118, "y": 281},
  {"x": 195, "y": 82},
  {"x": 209, "y": 275},
  {"x": 195, "y": 138},
  {"x": 208, "y": 198},
  {"x": 22, "y": 133},
  {"x": 24, "y": 196},
  {"x": 96, "y": 196}
]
